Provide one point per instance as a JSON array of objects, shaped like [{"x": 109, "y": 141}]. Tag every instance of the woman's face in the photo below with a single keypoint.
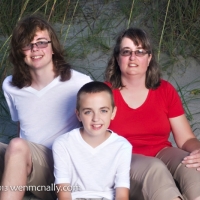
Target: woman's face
[{"x": 132, "y": 65}]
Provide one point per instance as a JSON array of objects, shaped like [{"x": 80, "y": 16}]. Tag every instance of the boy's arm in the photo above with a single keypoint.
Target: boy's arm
[
  {"x": 62, "y": 192},
  {"x": 122, "y": 178},
  {"x": 122, "y": 193},
  {"x": 62, "y": 170}
]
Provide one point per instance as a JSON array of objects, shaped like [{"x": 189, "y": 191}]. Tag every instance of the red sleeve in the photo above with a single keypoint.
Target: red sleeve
[{"x": 175, "y": 106}]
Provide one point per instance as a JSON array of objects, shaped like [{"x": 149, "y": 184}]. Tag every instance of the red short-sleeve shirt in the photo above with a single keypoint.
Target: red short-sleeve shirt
[{"x": 147, "y": 128}]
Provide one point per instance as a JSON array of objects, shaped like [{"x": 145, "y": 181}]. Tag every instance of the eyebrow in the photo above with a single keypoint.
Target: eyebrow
[
  {"x": 105, "y": 107},
  {"x": 130, "y": 48},
  {"x": 41, "y": 38},
  {"x": 86, "y": 109}
]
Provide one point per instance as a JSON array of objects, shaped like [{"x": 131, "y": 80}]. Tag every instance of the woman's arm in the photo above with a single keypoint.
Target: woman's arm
[
  {"x": 182, "y": 133},
  {"x": 186, "y": 140},
  {"x": 122, "y": 193},
  {"x": 62, "y": 192}
]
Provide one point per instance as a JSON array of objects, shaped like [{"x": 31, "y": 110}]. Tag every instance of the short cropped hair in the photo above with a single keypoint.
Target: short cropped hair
[
  {"x": 139, "y": 37},
  {"x": 94, "y": 87},
  {"x": 23, "y": 34}
]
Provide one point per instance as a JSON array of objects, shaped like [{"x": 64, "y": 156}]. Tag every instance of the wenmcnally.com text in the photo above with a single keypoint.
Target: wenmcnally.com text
[{"x": 39, "y": 188}]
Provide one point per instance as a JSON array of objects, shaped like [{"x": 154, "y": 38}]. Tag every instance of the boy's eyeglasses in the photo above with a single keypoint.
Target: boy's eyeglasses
[
  {"x": 139, "y": 52},
  {"x": 39, "y": 45}
]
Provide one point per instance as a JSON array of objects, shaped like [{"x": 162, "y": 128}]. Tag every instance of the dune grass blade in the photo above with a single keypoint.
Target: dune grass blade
[
  {"x": 163, "y": 28},
  {"x": 131, "y": 11}
]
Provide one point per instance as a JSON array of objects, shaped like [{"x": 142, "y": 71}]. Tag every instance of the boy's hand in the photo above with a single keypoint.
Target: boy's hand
[
  {"x": 122, "y": 193},
  {"x": 62, "y": 192}
]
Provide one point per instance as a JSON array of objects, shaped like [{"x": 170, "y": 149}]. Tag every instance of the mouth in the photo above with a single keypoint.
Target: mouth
[
  {"x": 96, "y": 126},
  {"x": 132, "y": 65},
  {"x": 36, "y": 57}
]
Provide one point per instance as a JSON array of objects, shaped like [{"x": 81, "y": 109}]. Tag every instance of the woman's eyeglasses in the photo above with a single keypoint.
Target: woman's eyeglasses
[
  {"x": 139, "y": 52},
  {"x": 39, "y": 45}
]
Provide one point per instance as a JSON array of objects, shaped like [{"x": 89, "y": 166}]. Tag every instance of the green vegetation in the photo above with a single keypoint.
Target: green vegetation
[{"x": 87, "y": 29}]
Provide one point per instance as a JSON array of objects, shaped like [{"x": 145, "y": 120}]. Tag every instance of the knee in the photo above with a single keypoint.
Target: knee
[
  {"x": 17, "y": 146},
  {"x": 148, "y": 167},
  {"x": 188, "y": 180},
  {"x": 157, "y": 170},
  {"x": 152, "y": 177},
  {"x": 157, "y": 165},
  {"x": 147, "y": 163}
]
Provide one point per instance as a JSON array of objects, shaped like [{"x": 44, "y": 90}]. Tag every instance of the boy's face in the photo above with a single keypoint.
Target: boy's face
[
  {"x": 95, "y": 113},
  {"x": 38, "y": 58}
]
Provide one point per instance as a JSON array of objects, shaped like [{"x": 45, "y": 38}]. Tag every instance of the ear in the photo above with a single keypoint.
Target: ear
[
  {"x": 78, "y": 115},
  {"x": 149, "y": 59},
  {"x": 117, "y": 58},
  {"x": 114, "y": 113}
]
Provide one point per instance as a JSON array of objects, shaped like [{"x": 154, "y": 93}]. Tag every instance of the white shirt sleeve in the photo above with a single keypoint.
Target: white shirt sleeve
[
  {"x": 123, "y": 170},
  {"x": 7, "y": 87},
  {"x": 62, "y": 166}
]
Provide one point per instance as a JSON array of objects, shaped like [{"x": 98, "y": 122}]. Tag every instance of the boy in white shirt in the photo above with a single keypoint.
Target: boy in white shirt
[
  {"x": 41, "y": 96},
  {"x": 92, "y": 162}
]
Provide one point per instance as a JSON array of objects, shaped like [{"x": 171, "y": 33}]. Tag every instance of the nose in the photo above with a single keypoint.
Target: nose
[
  {"x": 132, "y": 56},
  {"x": 95, "y": 117},
  {"x": 34, "y": 47}
]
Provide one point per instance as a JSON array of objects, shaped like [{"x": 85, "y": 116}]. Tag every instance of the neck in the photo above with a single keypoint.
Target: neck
[
  {"x": 40, "y": 79},
  {"x": 136, "y": 83},
  {"x": 94, "y": 141}
]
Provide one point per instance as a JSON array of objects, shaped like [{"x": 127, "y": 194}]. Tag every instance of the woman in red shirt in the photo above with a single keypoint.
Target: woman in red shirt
[{"x": 148, "y": 109}]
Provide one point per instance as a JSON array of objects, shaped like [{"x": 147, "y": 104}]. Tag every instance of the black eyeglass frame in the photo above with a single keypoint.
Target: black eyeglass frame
[
  {"x": 135, "y": 52},
  {"x": 38, "y": 44}
]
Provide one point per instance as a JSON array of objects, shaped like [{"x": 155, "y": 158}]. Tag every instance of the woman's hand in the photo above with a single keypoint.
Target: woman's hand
[
  {"x": 186, "y": 140},
  {"x": 193, "y": 160}
]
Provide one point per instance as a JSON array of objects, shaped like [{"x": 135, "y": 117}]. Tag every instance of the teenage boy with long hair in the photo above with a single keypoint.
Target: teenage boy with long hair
[{"x": 41, "y": 95}]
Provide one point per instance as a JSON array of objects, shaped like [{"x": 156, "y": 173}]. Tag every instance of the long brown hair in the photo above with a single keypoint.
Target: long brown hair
[
  {"x": 139, "y": 37},
  {"x": 23, "y": 34}
]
